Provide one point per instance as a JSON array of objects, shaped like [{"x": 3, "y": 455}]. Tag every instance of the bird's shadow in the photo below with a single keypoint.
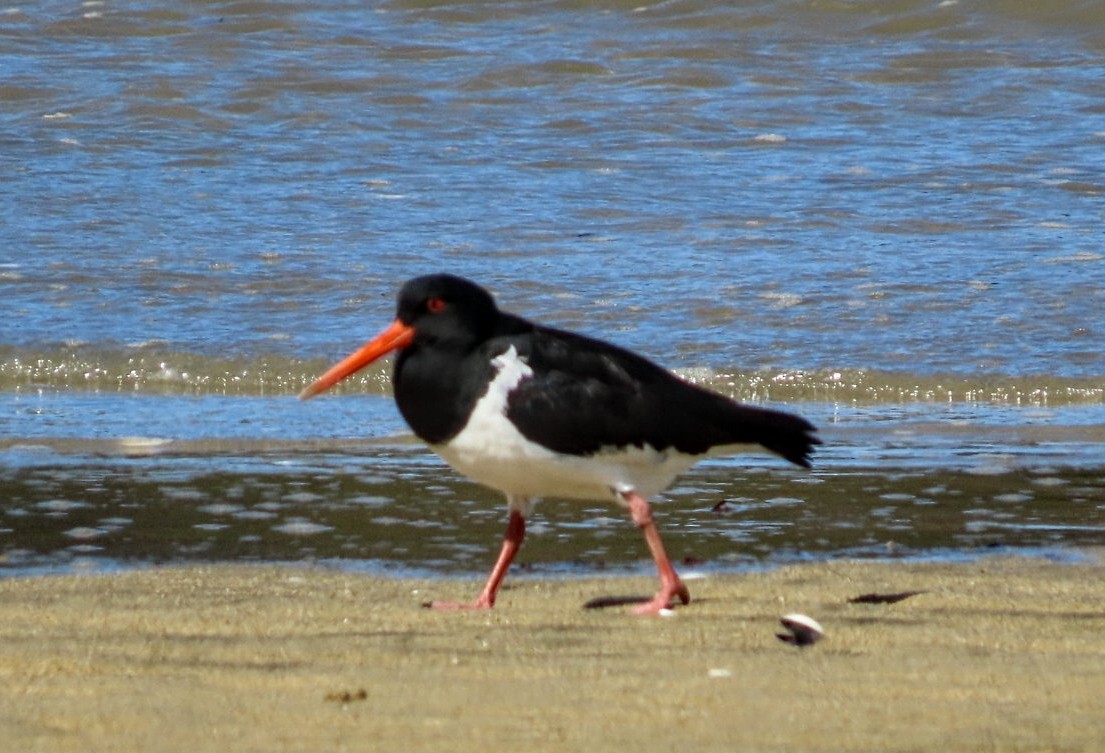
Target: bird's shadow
[{"x": 608, "y": 602}]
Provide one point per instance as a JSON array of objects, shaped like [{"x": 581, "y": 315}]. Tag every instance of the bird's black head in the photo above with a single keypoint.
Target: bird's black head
[
  {"x": 443, "y": 312},
  {"x": 446, "y": 310}
]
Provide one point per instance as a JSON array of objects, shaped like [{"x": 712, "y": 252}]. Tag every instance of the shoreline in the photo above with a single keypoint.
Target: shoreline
[
  {"x": 995, "y": 654},
  {"x": 693, "y": 570}
]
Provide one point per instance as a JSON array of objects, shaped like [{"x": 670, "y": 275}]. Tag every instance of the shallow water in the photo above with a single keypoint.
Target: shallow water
[
  {"x": 922, "y": 481},
  {"x": 886, "y": 216}
]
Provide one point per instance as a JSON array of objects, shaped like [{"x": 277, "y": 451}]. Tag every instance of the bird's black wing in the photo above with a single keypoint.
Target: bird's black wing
[{"x": 585, "y": 395}]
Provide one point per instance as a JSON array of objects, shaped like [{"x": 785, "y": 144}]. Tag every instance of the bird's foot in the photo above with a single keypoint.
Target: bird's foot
[
  {"x": 515, "y": 532},
  {"x": 663, "y": 598},
  {"x": 455, "y": 606}
]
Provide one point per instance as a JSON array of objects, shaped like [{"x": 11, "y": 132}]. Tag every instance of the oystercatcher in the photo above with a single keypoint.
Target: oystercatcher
[{"x": 539, "y": 412}]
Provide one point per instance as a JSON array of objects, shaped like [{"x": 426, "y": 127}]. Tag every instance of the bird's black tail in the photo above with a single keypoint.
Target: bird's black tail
[{"x": 785, "y": 434}]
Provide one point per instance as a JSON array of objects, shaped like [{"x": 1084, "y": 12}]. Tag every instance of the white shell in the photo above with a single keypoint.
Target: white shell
[{"x": 804, "y": 630}]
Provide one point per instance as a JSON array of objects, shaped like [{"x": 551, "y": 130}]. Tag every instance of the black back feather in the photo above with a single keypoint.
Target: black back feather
[{"x": 587, "y": 395}]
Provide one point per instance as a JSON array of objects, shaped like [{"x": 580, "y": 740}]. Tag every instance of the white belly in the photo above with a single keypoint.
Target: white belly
[{"x": 523, "y": 469}]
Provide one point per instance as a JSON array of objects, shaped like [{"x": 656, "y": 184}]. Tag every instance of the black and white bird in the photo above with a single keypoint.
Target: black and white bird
[{"x": 536, "y": 412}]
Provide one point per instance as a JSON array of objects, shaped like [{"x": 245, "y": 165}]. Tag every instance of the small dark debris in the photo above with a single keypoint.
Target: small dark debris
[{"x": 347, "y": 696}]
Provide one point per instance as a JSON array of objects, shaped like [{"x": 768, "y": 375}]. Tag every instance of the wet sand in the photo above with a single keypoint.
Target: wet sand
[{"x": 998, "y": 654}]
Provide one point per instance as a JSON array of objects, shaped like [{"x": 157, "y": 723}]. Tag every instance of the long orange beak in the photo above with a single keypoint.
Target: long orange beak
[{"x": 397, "y": 336}]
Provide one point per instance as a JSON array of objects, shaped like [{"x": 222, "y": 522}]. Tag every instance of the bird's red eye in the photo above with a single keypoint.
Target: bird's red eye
[{"x": 434, "y": 305}]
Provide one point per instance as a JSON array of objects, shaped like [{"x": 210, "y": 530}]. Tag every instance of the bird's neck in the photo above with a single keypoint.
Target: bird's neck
[{"x": 436, "y": 389}]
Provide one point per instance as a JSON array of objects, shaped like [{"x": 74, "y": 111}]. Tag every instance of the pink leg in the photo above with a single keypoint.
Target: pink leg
[
  {"x": 515, "y": 532},
  {"x": 670, "y": 585}
]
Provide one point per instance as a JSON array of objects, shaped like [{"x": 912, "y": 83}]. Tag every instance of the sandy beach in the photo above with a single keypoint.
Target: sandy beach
[{"x": 997, "y": 655}]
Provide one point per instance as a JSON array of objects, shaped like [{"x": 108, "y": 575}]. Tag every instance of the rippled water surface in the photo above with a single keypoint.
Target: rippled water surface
[{"x": 885, "y": 215}]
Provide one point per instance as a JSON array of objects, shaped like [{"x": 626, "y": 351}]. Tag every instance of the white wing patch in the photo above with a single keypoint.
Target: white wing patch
[{"x": 491, "y": 450}]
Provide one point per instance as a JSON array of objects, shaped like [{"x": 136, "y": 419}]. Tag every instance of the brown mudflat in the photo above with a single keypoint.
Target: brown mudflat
[{"x": 999, "y": 654}]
